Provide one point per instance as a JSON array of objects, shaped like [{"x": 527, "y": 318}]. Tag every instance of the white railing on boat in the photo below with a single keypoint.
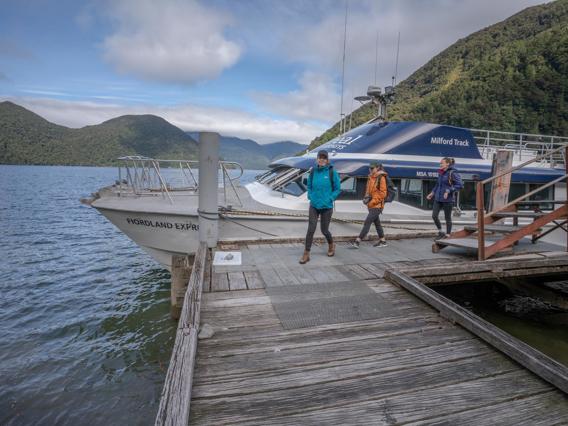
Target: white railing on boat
[
  {"x": 138, "y": 175},
  {"x": 525, "y": 145}
]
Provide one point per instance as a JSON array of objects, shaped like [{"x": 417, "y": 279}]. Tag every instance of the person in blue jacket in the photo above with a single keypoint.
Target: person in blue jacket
[
  {"x": 324, "y": 187},
  {"x": 444, "y": 194}
]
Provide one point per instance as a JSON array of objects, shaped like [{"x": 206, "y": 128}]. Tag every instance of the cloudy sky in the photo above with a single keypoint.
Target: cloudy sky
[{"x": 263, "y": 69}]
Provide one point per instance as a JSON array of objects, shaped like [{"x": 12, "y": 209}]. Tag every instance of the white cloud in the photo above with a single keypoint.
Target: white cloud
[
  {"x": 229, "y": 122},
  {"x": 316, "y": 99},
  {"x": 426, "y": 29},
  {"x": 170, "y": 40}
]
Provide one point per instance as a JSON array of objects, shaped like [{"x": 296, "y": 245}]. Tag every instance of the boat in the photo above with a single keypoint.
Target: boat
[{"x": 155, "y": 202}]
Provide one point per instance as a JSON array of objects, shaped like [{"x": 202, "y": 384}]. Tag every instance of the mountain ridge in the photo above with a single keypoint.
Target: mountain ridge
[
  {"x": 28, "y": 138},
  {"x": 252, "y": 155}
]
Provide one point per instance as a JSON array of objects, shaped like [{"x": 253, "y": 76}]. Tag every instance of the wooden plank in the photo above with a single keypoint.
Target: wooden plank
[
  {"x": 228, "y": 295},
  {"x": 356, "y": 272},
  {"x": 330, "y": 392},
  {"x": 253, "y": 338},
  {"x": 227, "y": 352},
  {"x": 236, "y": 281},
  {"x": 254, "y": 280},
  {"x": 488, "y": 396},
  {"x": 468, "y": 243},
  {"x": 545, "y": 409},
  {"x": 241, "y": 301},
  {"x": 537, "y": 362},
  {"x": 295, "y": 376},
  {"x": 220, "y": 282},
  {"x": 373, "y": 269},
  {"x": 266, "y": 370},
  {"x": 319, "y": 274},
  {"x": 517, "y": 214},
  {"x": 335, "y": 275},
  {"x": 175, "y": 400},
  {"x": 270, "y": 277},
  {"x": 286, "y": 276},
  {"x": 302, "y": 275},
  {"x": 505, "y": 229}
]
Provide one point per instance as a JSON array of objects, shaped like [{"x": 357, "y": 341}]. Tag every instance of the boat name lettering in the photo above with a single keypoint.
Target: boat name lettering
[
  {"x": 451, "y": 141},
  {"x": 162, "y": 224},
  {"x": 426, "y": 174},
  {"x": 344, "y": 142}
]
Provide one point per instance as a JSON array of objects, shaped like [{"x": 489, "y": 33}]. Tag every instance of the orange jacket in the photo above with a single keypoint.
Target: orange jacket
[{"x": 377, "y": 193}]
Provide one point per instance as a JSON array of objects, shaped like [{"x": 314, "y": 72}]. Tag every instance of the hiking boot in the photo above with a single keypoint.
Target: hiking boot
[
  {"x": 381, "y": 243},
  {"x": 355, "y": 244},
  {"x": 305, "y": 258},
  {"x": 331, "y": 249}
]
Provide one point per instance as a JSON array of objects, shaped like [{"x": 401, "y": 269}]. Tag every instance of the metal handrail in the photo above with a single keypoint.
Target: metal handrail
[
  {"x": 521, "y": 143},
  {"x": 144, "y": 176},
  {"x": 520, "y": 166}
]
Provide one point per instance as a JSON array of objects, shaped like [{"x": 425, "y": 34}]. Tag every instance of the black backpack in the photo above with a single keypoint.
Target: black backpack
[{"x": 392, "y": 190}]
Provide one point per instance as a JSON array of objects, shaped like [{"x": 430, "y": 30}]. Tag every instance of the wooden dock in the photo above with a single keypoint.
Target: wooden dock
[{"x": 334, "y": 342}]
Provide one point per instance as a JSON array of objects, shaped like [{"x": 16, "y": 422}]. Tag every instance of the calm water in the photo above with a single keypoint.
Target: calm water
[
  {"x": 526, "y": 318},
  {"x": 85, "y": 331}
]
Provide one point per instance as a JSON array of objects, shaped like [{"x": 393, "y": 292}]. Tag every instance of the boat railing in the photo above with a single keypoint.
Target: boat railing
[
  {"x": 525, "y": 145},
  {"x": 144, "y": 176}
]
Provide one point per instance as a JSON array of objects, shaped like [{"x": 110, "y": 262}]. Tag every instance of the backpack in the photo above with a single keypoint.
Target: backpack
[
  {"x": 392, "y": 190},
  {"x": 310, "y": 178}
]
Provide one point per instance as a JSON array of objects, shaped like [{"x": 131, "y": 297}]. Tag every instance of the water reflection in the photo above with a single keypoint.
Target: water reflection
[{"x": 525, "y": 317}]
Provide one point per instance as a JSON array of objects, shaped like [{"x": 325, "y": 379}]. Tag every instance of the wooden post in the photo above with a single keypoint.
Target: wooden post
[
  {"x": 176, "y": 394},
  {"x": 566, "y": 183},
  {"x": 181, "y": 271},
  {"x": 480, "y": 222}
]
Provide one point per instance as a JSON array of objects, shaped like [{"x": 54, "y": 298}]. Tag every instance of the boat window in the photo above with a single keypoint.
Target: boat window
[
  {"x": 270, "y": 175},
  {"x": 295, "y": 188},
  {"x": 353, "y": 188},
  {"x": 467, "y": 198},
  {"x": 411, "y": 192},
  {"x": 545, "y": 194},
  {"x": 348, "y": 185},
  {"x": 279, "y": 177}
]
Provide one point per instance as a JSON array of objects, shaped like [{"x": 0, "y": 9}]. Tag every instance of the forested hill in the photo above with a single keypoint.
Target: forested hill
[
  {"x": 511, "y": 76},
  {"x": 252, "y": 155},
  {"x": 27, "y": 138}
]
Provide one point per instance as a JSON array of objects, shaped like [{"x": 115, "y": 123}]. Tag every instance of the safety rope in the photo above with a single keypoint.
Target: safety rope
[{"x": 224, "y": 211}]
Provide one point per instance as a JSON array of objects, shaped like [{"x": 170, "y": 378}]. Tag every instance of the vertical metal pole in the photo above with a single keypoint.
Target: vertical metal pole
[
  {"x": 208, "y": 188},
  {"x": 480, "y": 222}
]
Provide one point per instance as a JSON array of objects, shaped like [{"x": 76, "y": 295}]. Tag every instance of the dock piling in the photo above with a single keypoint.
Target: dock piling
[{"x": 208, "y": 184}]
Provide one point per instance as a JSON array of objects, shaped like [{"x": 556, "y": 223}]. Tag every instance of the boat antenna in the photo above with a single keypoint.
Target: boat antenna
[
  {"x": 396, "y": 62},
  {"x": 376, "y": 56},
  {"x": 341, "y": 115}
]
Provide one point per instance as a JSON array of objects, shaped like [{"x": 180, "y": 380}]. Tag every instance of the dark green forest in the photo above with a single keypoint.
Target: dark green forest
[
  {"x": 27, "y": 138},
  {"x": 511, "y": 76}
]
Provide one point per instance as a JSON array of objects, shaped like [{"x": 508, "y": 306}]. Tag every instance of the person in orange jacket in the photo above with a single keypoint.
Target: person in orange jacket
[{"x": 375, "y": 196}]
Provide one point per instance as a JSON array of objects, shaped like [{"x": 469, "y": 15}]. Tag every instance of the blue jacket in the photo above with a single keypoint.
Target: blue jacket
[
  {"x": 320, "y": 191},
  {"x": 443, "y": 185}
]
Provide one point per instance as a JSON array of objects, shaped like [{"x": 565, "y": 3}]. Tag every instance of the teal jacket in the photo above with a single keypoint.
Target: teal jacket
[{"x": 321, "y": 192}]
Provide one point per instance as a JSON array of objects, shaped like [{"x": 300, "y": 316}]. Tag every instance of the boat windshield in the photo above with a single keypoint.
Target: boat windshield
[{"x": 288, "y": 180}]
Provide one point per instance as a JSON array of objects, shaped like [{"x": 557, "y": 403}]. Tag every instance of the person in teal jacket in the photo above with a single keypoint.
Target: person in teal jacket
[{"x": 324, "y": 186}]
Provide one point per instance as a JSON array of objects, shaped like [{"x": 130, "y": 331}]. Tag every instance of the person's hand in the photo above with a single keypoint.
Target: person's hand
[
  {"x": 445, "y": 195},
  {"x": 429, "y": 196}
]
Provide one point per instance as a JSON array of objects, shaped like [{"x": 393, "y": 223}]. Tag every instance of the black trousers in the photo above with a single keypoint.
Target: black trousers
[
  {"x": 447, "y": 207},
  {"x": 372, "y": 217},
  {"x": 313, "y": 223}
]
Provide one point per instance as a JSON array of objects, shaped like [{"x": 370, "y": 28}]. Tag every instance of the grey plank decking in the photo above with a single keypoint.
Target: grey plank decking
[{"x": 408, "y": 366}]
